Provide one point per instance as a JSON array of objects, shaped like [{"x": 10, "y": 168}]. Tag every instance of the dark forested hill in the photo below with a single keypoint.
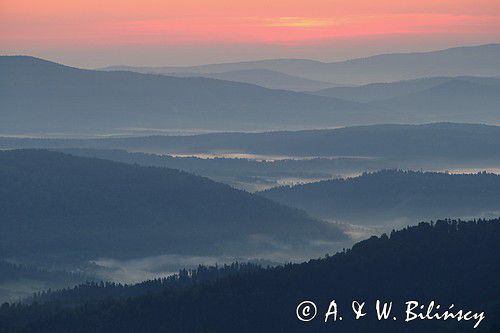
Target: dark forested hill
[
  {"x": 447, "y": 262},
  {"x": 248, "y": 174},
  {"x": 57, "y": 204},
  {"x": 395, "y": 195}
]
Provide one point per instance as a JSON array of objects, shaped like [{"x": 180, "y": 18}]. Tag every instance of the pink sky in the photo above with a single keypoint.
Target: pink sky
[{"x": 151, "y": 32}]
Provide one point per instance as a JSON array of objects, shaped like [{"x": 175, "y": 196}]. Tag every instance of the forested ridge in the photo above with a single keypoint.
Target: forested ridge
[
  {"x": 439, "y": 141},
  {"x": 94, "y": 291},
  {"x": 395, "y": 194},
  {"x": 431, "y": 261},
  {"x": 56, "y": 204}
]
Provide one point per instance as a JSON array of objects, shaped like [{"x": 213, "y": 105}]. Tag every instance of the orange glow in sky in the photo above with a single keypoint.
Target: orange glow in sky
[{"x": 78, "y": 24}]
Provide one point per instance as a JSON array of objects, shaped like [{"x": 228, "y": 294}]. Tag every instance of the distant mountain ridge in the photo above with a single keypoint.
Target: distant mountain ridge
[
  {"x": 443, "y": 140},
  {"x": 262, "y": 77},
  {"x": 467, "y": 98},
  {"x": 374, "y": 92},
  {"x": 38, "y": 95},
  {"x": 482, "y": 60}
]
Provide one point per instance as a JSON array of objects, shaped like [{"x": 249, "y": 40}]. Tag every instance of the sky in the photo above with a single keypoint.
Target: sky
[{"x": 96, "y": 33}]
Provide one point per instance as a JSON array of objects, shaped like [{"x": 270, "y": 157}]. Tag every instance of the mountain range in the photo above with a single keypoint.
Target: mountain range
[
  {"x": 482, "y": 60},
  {"x": 262, "y": 77},
  {"x": 467, "y": 98},
  {"x": 439, "y": 140},
  {"x": 41, "y": 96},
  {"x": 378, "y": 92},
  {"x": 88, "y": 193},
  {"x": 257, "y": 161}
]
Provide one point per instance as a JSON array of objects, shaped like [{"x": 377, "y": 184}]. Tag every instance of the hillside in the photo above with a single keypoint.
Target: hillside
[
  {"x": 455, "y": 262},
  {"x": 43, "y": 97},
  {"x": 57, "y": 205},
  {"x": 393, "y": 195}
]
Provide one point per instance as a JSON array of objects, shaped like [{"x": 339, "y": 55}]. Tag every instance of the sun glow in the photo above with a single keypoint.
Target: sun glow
[{"x": 300, "y": 22}]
